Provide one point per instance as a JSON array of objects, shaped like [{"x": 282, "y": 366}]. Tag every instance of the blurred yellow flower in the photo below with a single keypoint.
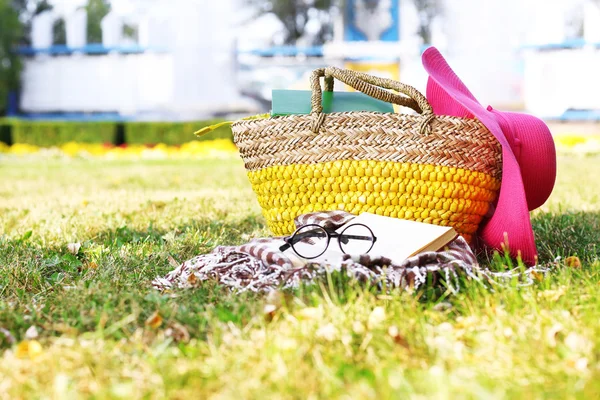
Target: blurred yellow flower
[
  {"x": 23, "y": 148},
  {"x": 193, "y": 149},
  {"x": 577, "y": 144},
  {"x": 28, "y": 349},
  {"x": 580, "y": 144},
  {"x": 569, "y": 140}
]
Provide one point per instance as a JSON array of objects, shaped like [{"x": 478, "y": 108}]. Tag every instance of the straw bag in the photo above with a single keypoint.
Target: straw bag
[{"x": 436, "y": 169}]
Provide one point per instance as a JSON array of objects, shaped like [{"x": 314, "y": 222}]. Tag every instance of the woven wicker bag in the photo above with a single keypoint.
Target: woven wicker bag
[{"x": 436, "y": 169}]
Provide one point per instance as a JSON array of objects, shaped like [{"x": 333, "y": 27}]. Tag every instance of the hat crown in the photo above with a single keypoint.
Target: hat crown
[{"x": 533, "y": 146}]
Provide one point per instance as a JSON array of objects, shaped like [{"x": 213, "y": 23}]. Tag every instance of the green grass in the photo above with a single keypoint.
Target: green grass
[{"x": 335, "y": 340}]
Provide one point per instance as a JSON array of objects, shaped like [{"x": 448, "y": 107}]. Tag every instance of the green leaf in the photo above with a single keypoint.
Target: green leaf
[{"x": 26, "y": 236}]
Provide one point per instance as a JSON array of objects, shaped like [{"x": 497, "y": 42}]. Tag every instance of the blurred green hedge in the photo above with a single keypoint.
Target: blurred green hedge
[
  {"x": 5, "y": 132},
  {"x": 51, "y": 133},
  {"x": 172, "y": 133},
  {"x": 54, "y": 133}
]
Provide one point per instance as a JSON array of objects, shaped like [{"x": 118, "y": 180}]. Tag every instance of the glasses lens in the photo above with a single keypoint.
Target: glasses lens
[
  {"x": 356, "y": 239},
  {"x": 310, "y": 241}
]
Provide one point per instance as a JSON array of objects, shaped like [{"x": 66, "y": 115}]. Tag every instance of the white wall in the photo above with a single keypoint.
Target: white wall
[
  {"x": 482, "y": 41},
  {"x": 110, "y": 83},
  {"x": 558, "y": 80},
  {"x": 203, "y": 54},
  {"x": 195, "y": 75}
]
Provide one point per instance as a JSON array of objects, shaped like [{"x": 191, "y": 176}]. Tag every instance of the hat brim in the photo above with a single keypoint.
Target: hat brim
[{"x": 510, "y": 220}]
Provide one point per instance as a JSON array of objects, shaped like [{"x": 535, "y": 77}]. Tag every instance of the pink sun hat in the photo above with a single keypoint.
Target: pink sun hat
[{"x": 528, "y": 158}]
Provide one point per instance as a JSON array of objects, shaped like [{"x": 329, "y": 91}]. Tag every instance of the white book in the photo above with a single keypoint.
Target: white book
[{"x": 396, "y": 239}]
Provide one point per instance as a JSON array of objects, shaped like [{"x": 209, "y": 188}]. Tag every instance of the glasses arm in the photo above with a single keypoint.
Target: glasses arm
[
  {"x": 285, "y": 246},
  {"x": 357, "y": 237},
  {"x": 345, "y": 238}
]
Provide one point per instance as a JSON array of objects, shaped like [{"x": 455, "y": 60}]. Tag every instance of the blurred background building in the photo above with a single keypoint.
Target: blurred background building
[{"x": 191, "y": 59}]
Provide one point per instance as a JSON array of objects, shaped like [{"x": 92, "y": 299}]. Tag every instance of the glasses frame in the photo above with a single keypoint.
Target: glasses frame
[{"x": 289, "y": 240}]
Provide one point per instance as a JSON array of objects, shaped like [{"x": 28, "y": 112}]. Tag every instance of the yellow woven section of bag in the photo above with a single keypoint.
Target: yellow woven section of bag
[{"x": 421, "y": 192}]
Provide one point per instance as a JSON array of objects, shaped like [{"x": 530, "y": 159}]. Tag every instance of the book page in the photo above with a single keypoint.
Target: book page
[
  {"x": 332, "y": 255},
  {"x": 397, "y": 239}
]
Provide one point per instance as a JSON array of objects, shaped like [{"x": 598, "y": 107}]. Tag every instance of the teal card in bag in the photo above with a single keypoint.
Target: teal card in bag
[{"x": 294, "y": 102}]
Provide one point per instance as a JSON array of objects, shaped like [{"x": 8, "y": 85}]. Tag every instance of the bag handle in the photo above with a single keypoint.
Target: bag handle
[{"x": 372, "y": 86}]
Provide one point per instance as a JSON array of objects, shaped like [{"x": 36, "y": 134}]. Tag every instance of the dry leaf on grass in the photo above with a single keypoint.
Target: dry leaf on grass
[
  {"x": 539, "y": 277},
  {"x": 154, "y": 321},
  {"x": 274, "y": 301},
  {"x": 397, "y": 337},
  {"x": 192, "y": 279},
  {"x": 275, "y": 298},
  {"x": 269, "y": 311},
  {"x": 443, "y": 306},
  {"x": 92, "y": 265},
  {"x": 178, "y": 332},
  {"x": 103, "y": 320},
  {"x": 573, "y": 262},
  {"x": 65, "y": 329},
  {"x": 173, "y": 262}
]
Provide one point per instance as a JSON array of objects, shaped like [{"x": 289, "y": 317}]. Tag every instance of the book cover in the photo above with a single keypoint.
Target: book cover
[{"x": 294, "y": 102}]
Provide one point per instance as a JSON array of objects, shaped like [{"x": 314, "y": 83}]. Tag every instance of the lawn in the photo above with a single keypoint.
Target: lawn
[{"x": 99, "y": 330}]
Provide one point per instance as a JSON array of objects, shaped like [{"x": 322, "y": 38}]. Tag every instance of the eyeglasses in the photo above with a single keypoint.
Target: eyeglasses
[{"x": 311, "y": 241}]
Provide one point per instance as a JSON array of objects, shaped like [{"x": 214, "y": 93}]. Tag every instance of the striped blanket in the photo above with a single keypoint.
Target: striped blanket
[{"x": 260, "y": 266}]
